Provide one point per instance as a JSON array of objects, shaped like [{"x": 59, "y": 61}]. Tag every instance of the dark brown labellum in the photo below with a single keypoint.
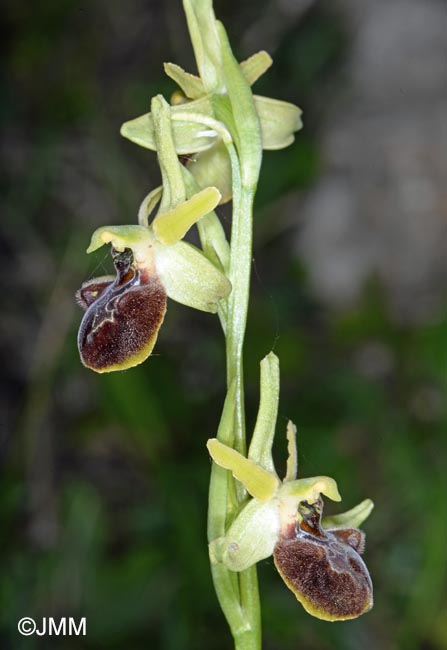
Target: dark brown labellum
[
  {"x": 323, "y": 568},
  {"x": 123, "y": 316}
]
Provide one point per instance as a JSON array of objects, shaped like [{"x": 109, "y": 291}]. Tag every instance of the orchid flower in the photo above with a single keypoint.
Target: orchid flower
[
  {"x": 319, "y": 559},
  {"x": 124, "y": 313}
]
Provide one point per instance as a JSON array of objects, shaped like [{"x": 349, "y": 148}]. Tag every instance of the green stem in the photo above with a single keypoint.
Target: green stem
[
  {"x": 238, "y": 594},
  {"x": 240, "y": 267}
]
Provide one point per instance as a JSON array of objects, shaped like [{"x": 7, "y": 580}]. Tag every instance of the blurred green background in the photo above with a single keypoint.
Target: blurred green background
[{"x": 104, "y": 478}]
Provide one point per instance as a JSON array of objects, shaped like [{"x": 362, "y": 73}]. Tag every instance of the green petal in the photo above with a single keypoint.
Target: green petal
[
  {"x": 120, "y": 237},
  {"x": 279, "y": 121},
  {"x": 255, "y": 66},
  {"x": 309, "y": 489},
  {"x": 259, "y": 482},
  {"x": 251, "y": 537},
  {"x": 170, "y": 227},
  {"x": 189, "y": 277},
  {"x": 191, "y": 85},
  {"x": 292, "y": 457},
  {"x": 148, "y": 204},
  {"x": 260, "y": 450},
  {"x": 353, "y": 518}
]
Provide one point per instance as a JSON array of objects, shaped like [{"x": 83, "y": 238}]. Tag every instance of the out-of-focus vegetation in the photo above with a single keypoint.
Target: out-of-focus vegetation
[{"x": 103, "y": 483}]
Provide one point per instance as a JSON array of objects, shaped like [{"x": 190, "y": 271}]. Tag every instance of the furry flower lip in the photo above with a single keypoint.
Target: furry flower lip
[
  {"x": 123, "y": 316},
  {"x": 323, "y": 568}
]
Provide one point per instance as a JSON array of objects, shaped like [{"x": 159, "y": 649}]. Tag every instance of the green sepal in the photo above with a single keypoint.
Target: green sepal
[
  {"x": 189, "y": 277},
  {"x": 353, "y": 518},
  {"x": 188, "y": 137},
  {"x": 309, "y": 489},
  {"x": 260, "y": 451},
  {"x": 251, "y": 537},
  {"x": 171, "y": 226},
  {"x": 259, "y": 482},
  {"x": 279, "y": 121}
]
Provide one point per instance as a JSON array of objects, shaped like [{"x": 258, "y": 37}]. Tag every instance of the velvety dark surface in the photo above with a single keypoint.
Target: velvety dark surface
[
  {"x": 103, "y": 483},
  {"x": 120, "y": 327},
  {"x": 340, "y": 591},
  {"x": 323, "y": 568}
]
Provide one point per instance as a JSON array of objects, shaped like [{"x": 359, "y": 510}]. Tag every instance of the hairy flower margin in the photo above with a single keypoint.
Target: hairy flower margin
[{"x": 220, "y": 126}]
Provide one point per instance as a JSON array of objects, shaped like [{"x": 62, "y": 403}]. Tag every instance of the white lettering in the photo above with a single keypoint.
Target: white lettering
[
  {"x": 43, "y": 629},
  {"x": 57, "y": 629},
  {"x": 72, "y": 629},
  {"x": 52, "y": 627}
]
